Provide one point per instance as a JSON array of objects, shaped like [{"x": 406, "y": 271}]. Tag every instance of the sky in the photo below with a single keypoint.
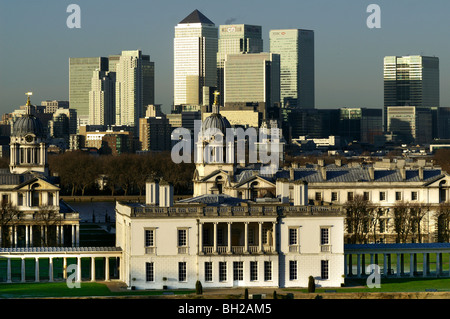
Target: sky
[{"x": 36, "y": 44}]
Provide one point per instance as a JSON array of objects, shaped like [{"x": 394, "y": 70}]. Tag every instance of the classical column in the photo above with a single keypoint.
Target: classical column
[
  {"x": 398, "y": 265},
  {"x": 36, "y": 269},
  {"x": 57, "y": 235},
  {"x": 385, "y": 272},
  {"x": 402, "y": 264},
  {"x": 350, "y": 266},
  {"x": 371, "y": 259},
  {"x": 50, "y": 269},
  {"x": 215, "y": 238},
  {"x": 22, "y": 272},
  {"x": 274, "y": 236},
  {"x": 229, "y": 238},
  {"x": 62, "y": 235},
  {"x": 411, "y": 265},
  {"x": 92, "y": 268},
  {"x": 78, "y": 236},
  {"x": 15, "y": 236},
  {"x": 65, "y": 268},
  {"x": 73, "y": 235},
  {"x": 26, "y": 236},
  {"x": 438, "y": 264},
  {"x": 200, "y": 237},
  {"x": 31, "y": 235},
  {"x": 260, "y": 230},
  {"x": 358, "y": 265},
  {"x": 8, "y": 270},
  {"x": 389, "y": 263},
  {"x": 78, "y": 269},
  {"x": 425, "y": 268},
  {"x": 106, "y": 268},
  {"x": 246, "y": 238},
  {"x": 363, "y": 268}
]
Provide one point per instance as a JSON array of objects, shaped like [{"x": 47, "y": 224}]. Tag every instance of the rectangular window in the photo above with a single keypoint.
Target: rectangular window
[
  {"x": 318, "y": 196},
  {"x": 382, "y": 196},
  {"x": 366, "y": 196},
  {"x": 292, "y": 270},
  {"x": 20, "y": 199},
  {"x": 182, "y": 271},
  {"x": 334, "y": 196},
  {"x": 50, "y": 199},
  {"x": 293, "y": 239},
  {"x": 222, "y": 271},
  {"x": 208, "y": 271},
  {"x": 253, "y": 270},
  {"x": 324, "y": 269},
  {"x": 414, "y": 196},
  {"x": 349, "y": 196},
  {"x": 149, "y": 272},
  {"x": 149, "y": 238},
  {"x": 398, "y": 196},
  {"x": 325, "y": 236},
  {"x": 238, "y": 270},
  {"x": 182, "y": 237},
  {"x": 267, "y": 270}
]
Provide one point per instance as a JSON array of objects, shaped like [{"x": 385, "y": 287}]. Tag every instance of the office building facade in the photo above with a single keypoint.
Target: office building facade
[
  {"x": 296, "y": 50},
  {"x": 102, "y": 98},
  {"x": 195, "y": 58},
  {"x": 80, "y": 76},
  {"x": 235, "y": 39}
]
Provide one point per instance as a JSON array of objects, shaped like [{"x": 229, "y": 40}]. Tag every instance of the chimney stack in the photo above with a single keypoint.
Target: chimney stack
[
  {"x": 300, "y": 193},
  {"x": 165, "y": 194},
  {"x": 371, "y": 173},
  {"x": 151, "y": 192},
  {"x": 282, "y": 189}
]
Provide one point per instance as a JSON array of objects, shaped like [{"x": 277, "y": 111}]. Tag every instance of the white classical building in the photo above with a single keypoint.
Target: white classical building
[
  {"x": 32, "y": 214},
  {"x": 223, "y": 241}
]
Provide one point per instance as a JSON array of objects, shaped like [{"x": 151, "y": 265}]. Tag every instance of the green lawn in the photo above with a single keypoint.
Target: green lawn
[
  {"x": 391, "y": 285},
  {"x": 60, "y": 289}
]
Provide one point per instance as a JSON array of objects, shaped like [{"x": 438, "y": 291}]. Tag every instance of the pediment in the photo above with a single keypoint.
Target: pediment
[{"x": 38, "y": 184}]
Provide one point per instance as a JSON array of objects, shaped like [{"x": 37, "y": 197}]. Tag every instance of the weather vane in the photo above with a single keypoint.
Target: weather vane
[{"x": 28, "y": 99}]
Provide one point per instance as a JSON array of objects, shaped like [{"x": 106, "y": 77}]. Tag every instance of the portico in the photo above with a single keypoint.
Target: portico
[
  {"x": 399, "y": 260},
  {"x": 51, "y": 264}
]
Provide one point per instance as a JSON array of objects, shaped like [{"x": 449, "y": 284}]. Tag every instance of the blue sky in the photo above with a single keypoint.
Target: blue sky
[{"x": 35, "y": 43}]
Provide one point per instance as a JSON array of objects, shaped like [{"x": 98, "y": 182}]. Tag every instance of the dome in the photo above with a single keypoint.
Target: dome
[
  {"x": 28, "y": 124},
  {"x": 216, "y": 120}
]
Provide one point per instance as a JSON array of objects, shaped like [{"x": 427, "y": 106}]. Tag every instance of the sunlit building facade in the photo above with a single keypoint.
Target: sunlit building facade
[
  {"x": 195, "y": 56},
  {"x": 296, "y": 50}
]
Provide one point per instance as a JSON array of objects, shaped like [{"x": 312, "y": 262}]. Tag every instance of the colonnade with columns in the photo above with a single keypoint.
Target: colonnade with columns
[
  {"x": 263, "y": 240},
  {"x": 108, "y": 259},
  {"x": 398, "y": 262},
  {"x": 61, "y": 230}
]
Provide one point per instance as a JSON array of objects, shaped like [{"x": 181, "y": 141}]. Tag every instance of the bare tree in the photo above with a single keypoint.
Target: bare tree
[
  {"x": 359, "y": 215},
  {"x": 417, "y": 213},
  {"x": 443, "y": 222},
  {"x": 47, "y": 217},
  {"x": 9, "y": 216}
]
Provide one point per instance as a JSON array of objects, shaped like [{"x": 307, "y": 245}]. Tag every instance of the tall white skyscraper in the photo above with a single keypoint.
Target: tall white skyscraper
[
  {"x": 296, "y": 50},
  {"x": 134, "y": 87},
  {"x": 102, "y": 97},
  {"x": 235, "y": 39},
  {"x": 195, "y": 56}
]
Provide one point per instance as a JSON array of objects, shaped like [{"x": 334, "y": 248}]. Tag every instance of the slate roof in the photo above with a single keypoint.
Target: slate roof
[
  {"x": 213, "y": 200},
  {"x": 196, "y": 17}
]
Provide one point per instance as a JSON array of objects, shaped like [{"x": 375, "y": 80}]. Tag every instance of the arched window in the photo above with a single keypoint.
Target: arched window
[{"x": 253, "y": 190}]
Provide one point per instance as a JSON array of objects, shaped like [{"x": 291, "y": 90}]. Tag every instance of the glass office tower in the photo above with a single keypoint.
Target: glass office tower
[
  {"x": 235, "y": 39},
  {"x": 296, "y": 50},
  {"x": 80, "y": 76},
  {"x": 195, "y": 59}
]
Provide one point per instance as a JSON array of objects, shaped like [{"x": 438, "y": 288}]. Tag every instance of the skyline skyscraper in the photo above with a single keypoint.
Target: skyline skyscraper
[
  {"x": 80, "y": 76},
  {"x": 195, "y": 56},
  {"x": 102, "y": 98},
  {"x": 297, "y": 71},
  {"x": 235, "y": 39},
  {"x": 130, "y": 89}
]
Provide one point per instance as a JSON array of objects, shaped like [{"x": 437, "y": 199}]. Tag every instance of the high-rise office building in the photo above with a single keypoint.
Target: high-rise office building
[
  {"x": 102, "y": 97},
  {"x": 134, "y": 80},
  {"x": 296, "y": 50},
  {"x": 195, "y": 59},
  {"x": 252, "y": 79},
  {"x": 410, "y": 81},
  {"x": 235, "y": 39},
  {"x": 411, "y": 124},
  {"x": 80, "y": 76}
]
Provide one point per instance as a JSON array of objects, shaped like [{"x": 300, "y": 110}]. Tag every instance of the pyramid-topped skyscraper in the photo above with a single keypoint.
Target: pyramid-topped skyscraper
[{"x": 195, "y": 56}]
